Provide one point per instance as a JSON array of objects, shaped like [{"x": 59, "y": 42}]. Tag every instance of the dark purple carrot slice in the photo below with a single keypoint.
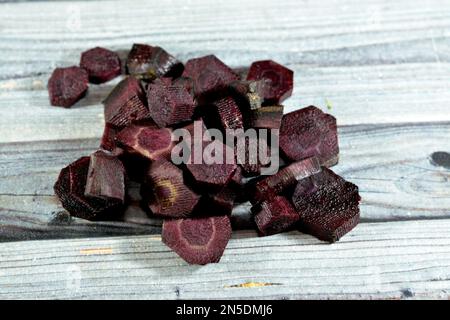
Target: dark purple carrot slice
[
  {"x": 236, "y": 179},
  {"x": 195, "y": 130},
  {"x": 164, "y": 81},
  {"x": 67, "y": 85},
  {"x": 229, "y": 114},
  {"x": 148, "y": 62},
  {"x": 209, "y": 206},
  {"x": 223, "y": 201},
  {"x": 275, "y": 215},
  {"x": 212, "y": 176},
  {"x": 126, "y": 104},
  {"x": 199, "y": 124},
  {"x": 249, "y": 155},
  {"x": 217, "y": 204},
  {"x": 101, "y": 64},
  {"x": 210, "y": 75},
  {"x": 268, "y": 117},
  {"x": 106, "y": 177},
  {"x": 108, "y": 138},
  {"x": 249, "y": 186},
  {"x": 209, "y": 174},
  {"x": 283, "y": 179},
  {"x": 169, "y": 104},
  {"x": 237, "y": 184},
  {"x": 167, "y": 194},
  {"x": 328, "y": 205},
  {"x": 279, "y": 80},
  {"x": 309, "y": 132},
  {"x": 249, "y": 94},
  {"x": 148, "y": 141},
  {"x": 136, "y": 166},
  {"x": 198, "y": 240},
  {"x": 70, "y": 188}
]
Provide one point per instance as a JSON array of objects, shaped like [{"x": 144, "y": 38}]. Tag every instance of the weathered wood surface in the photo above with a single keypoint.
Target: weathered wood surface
[
  {"x": 389, "y": 163},
  {"x": 375, "y": 62},
  {"x": 377, "y": 260},
  {"x": 382, "y": 67},
  {"x": 358, "y": 95}
]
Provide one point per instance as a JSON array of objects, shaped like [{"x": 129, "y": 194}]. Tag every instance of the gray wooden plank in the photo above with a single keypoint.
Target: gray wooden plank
[
  {"x": 390, "y": 164},
  {"x": 394, "y": 260},
  {"x": 374, "y": 62},
  {"x": 361, "y": 94}
]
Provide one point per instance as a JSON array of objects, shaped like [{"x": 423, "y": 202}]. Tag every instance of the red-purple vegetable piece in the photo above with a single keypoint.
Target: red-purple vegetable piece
[
  {"x": 229, "y": 114},
  {"x": 309, "y": 132},
  {"x": 136, "y": 166},
  {"x": 236, "y": 179},
  {"x": 219, "y": 203},
  {"x": 148, "y": 62},
  {"x": 148, "y": 141},
  {"x": 208, "y": 174},
  {"x": 275, "y": 215},
  {"x": 169, "y": 196},
  {"x": 70, "y": 188},
  {"x": 106, "y": 177},
  {"x": 250, "y": 154},
  {"x": 67, "y": 85},
  {"x": 249, "y": 94},
  {"x": 126, "y": 104},
  {"x": 108, "y": 141},
  {"x": 268, "y": 117},
  {"x": 169, "y": 104},
  {"x": 223, "y": 201}
]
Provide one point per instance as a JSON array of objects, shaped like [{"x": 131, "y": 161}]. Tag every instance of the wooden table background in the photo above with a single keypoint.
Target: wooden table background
[{"x": 383, "y": 67}]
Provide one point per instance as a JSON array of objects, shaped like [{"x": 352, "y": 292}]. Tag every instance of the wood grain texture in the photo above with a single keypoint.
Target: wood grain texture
[
  {"x": 377, "y": 260},
  {"x": 357, "y": 94}
]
